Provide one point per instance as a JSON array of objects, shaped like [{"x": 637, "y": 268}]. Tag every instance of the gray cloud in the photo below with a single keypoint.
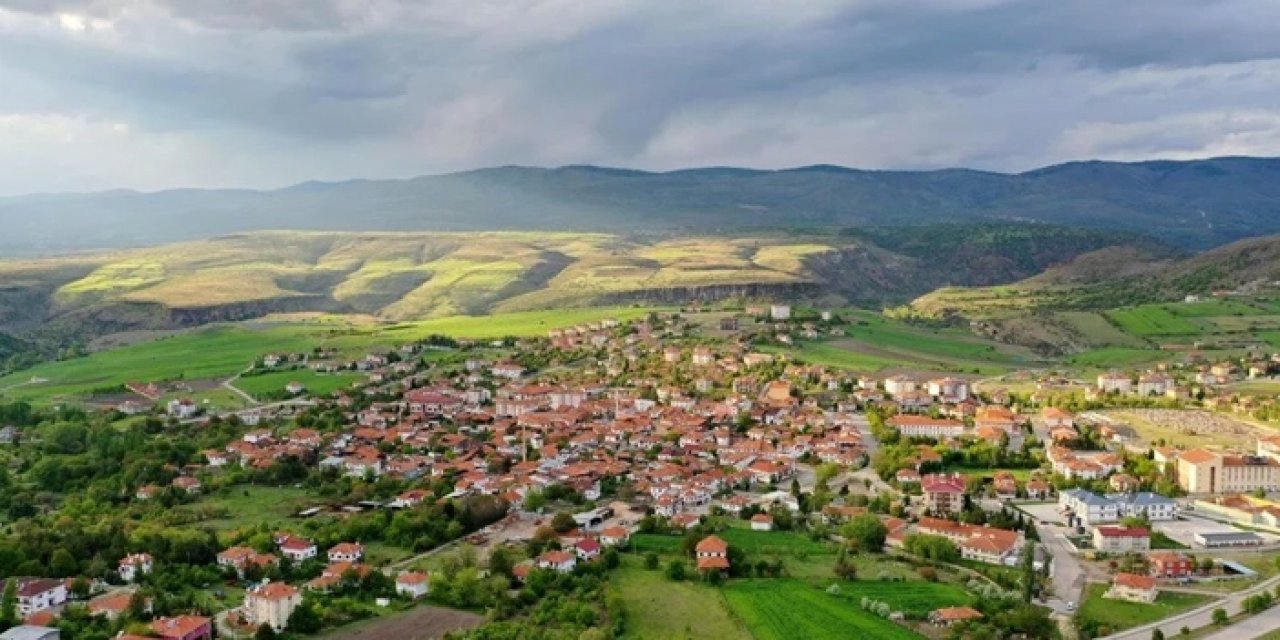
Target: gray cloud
[{"x": 266, "y": 92}]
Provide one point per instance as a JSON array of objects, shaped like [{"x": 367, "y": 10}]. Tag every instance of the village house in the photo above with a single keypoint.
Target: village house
[
  {"x": 413, "y": 584},
  {"x": 561, "y": 561},
  {"x": 134, "y": 566},
  {"x": 183, "y": 628},
  {"x": 351, "y": 552},
  {"x": 39, "y": 594},
  {"x": 1171, "y": 564},
  {"x": 712, "y": 554},
  {"x": 948, "y": 616},
  {"x": 1133, "y": 588}
]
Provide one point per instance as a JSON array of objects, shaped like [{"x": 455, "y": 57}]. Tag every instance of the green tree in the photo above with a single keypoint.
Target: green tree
[
  {"x": 305, "y": 618},
  {"x": 1028, "y": 567},
  {"x": 265, "y": 632},
  {"x": 9, "y": 604},
  {"x": 676, "y": 570},
  {"x": 63, "y": 564},
  {"x": 651, "y": 561},
  {"x": 1220, "y": 616},
  {"x": 865, "y": 532},
  {"x": 1157, "y": 634},
  {"x": 563, "y": 522}
]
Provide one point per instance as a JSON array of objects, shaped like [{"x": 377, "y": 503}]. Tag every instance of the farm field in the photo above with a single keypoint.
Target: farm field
[
  {"x": 783, "y": 609},
  {"x": 223, "y": 351},
  {"x": 1098, "y": 331},
  {"x": 1110, "y": 357},
  {"x": 782, "y": 543},
  {"x": 955, "y": 346},
  {"x": 1152, "y": 320},
  {"x": 316, "y": 383},
  {"x": 658, "y": 608},
  {"x": 1118, "y": 614}
]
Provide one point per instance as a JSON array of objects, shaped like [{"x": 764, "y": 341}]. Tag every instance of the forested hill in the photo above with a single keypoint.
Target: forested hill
[{"x": 1193, "y": 204}]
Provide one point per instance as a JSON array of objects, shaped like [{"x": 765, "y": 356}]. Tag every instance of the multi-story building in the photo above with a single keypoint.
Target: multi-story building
[
  {"x": 925, "y": 427},
  {"x": 1121, "y": 539},
  {"x": 1203, "y": 471},
  {"x": 943, "y": 493},
  {"x": 272, "y": 604}
]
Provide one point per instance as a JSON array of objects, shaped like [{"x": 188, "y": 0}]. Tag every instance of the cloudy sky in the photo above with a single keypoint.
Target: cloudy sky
[{"x": 150, "y": 94}]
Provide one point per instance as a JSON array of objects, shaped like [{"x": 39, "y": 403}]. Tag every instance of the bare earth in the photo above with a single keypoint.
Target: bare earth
[
  {"x": 420, "y": 623},
  {"x": 1191, "y": 428}
]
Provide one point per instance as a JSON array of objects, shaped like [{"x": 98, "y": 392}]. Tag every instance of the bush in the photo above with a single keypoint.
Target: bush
[
  {"x": 1220, "y": 616},
  {"x": 928, "y": 573}
]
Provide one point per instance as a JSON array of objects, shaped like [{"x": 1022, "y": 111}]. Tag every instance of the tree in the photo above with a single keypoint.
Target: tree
[
  {"x": 865, "y": 532},
  {"x": 63, "y": 564},
  {"x": 500, "y": 562},
  {"x": 1157, "y": 634},
  {"x": 844, "y": 569},
  {"x": 676, "y": 570},
  {"x": 9, "y": 604},
  {"x": 305, "y": 618},
  {"x": 265, "y": 632},
  {"x": 651, "y": 561},
  {"x": 1220, "y": 616},
  {"x": 563, "y": 522},
  {"x": 1028, "y": 562}
]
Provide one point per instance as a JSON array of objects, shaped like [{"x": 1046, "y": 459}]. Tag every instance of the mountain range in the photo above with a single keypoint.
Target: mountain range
[{"x": 1192, "y": 204}]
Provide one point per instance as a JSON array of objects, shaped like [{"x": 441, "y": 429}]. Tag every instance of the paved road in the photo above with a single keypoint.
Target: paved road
[
  {"x": 1251, "y": 627},
  {"x": 1203, "y": 617},
  {"x": 1068, "y": 572}
]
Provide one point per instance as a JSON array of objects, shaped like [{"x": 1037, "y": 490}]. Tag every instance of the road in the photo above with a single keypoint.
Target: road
[
  {"x": 1251, "y": 627},
  {"x": 1203, "y": 617},
  {"x": 1068, "y": 572}
]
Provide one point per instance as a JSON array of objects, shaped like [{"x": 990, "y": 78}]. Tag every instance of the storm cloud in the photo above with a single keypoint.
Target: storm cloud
[{"x": 151, "y": 94}]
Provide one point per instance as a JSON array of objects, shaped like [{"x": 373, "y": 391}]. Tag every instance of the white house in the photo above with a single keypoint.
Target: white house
[
  {"x": 414, "y": 584},
  {"x": 134, "y": 566}
]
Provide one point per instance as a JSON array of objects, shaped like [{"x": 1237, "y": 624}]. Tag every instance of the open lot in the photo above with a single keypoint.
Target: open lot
[
  {"x": 1188, "y": 428},
  {"x": 1184, "y": 531}
]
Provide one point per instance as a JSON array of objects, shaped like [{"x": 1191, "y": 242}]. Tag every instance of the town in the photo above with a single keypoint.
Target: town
[{"x": 594, "y": 445}]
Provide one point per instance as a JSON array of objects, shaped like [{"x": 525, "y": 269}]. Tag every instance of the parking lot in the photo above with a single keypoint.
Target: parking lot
[{"x": 1184, "y": 531}]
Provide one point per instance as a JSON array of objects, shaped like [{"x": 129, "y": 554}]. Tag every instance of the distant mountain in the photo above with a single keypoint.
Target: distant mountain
[{"x": 1195, "y": 204}]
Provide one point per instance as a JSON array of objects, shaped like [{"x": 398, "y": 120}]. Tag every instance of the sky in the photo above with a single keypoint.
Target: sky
[{"x": 155, "y": 94}]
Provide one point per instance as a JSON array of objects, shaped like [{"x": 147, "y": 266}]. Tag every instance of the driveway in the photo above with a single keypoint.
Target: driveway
[{"x": 1068, "y": 570}]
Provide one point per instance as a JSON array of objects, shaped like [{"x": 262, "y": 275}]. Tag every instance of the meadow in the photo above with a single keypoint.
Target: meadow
[
  {"x": 658, "y": 609},
  {"x": 1111, "y": 357},
  {"x": 318, "y": 384}
]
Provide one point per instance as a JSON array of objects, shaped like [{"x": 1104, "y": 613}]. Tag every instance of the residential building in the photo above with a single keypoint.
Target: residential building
[
  {"x": 31, "y": 632},
  {"x": 1133, "y": 588},
  {"x": 272, "y": 604},
  {"x": 1111, "y": 539},
  {"x": 913, "y": 426},
  {"x": 183, "y": 628},
  {"x": 39, "y": 594},
  {"x": 413, "y": 584},
  {"x": 134, "y": 566},
  {"x": 1171, "y": 564},
  {"x": 943, "y": 493},
  {"x": 346, "y": 552},
  {"x": 712, "y": 553}
]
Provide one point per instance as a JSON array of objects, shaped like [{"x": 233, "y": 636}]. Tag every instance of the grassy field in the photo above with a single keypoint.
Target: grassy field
[
  {"x": 248, "y": 506},
  {"x": 659, "y": 609},
  {"x": 1119, "y": 614},
  {"x": 775, "y": 542},
  {"x": 1110, "y": 357},
  {"x": 1152, "y": 320},
  {"x": 784, "y": 609},
  {"x": 316, "y": 383},
  {"x": 222, "y": 351},
  {"x": 1098, "y": 331}
]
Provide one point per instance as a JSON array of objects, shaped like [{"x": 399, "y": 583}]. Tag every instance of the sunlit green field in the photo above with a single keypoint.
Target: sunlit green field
[{"x": 223, "y": 351}]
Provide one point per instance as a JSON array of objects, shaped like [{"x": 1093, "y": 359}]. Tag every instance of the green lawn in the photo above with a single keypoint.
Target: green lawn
[
  {"x": 658, "y": 609},
  {"x": 659, "y": 543},
  {"x": 784, "y": 609},
  {"x": 316, "y": 383},
  {"x": 1119, "y": 614},
  {"x": 916, "y": 598}
]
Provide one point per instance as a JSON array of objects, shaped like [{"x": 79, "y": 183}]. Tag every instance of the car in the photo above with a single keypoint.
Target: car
[{"x": 1071, "y": 606}]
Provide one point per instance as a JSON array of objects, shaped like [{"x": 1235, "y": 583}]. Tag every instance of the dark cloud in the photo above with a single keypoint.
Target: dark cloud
[{"x": 270, "y": 91}]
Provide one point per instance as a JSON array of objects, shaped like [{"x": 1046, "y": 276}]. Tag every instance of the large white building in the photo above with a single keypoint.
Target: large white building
[{"x": 1090, "y": 509}]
